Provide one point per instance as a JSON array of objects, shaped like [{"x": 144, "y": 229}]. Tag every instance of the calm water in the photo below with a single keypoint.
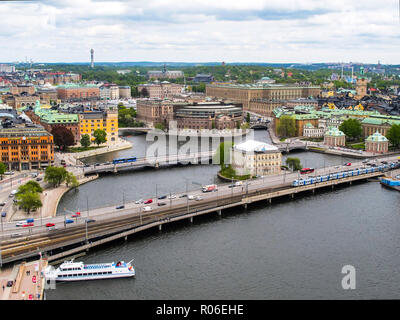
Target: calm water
[{"x": 293, "y": 249}]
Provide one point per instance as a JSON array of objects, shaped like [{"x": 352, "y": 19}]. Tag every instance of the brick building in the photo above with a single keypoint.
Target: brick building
[{"x": 74, "y": 92}]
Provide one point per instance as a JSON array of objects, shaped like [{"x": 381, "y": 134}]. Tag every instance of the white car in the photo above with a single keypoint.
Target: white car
[
  {"x": 147, "y": 208},
  {"x": 139, "y": 201},
  {"x": 20, "y": 223},
  {"x": 172, "y": 196},
  {"x": 198, "y": 198},
  {"x": 191, "y": 197}
]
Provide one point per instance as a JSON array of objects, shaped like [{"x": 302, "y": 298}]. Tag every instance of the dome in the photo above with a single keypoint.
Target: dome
[
  {"x": 377, "y": 137},
  {"x": 335, "y": 132}
]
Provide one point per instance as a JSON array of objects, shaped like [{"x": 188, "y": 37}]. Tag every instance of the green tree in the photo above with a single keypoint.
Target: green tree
[
  {"x": 100, "y": 136},
  {"x": 159, "y": 126},
  {"x": 55, "y": 175},
  {"x": 293, "y": 163},
  {"x": 286, "y": 126},
  {"x": 85, "y": 140},
  {"x": 223, "y": 154},
  {"x": 248, "y": 117},
  {"x": 29, "y": 201},
  {"x": 351, "y": 128},
  {"x": 71, "y": 179},
  {"x": 3, "y": 169},
  {"x": 30, "y": 186},
  {"x": 393, "y": 135}
]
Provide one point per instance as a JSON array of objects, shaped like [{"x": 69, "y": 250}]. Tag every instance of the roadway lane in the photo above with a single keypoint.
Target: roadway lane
[{"x": 131, "y": 208}]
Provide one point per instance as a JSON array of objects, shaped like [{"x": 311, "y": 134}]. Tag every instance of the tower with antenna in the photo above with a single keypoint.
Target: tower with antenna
[{"x": 91, "y": 58}]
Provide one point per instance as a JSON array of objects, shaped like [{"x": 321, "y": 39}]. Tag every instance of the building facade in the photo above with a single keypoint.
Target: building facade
[
  {"x": 106, "y": 120},
  {"x": 377, "y": 143},
  {"x": 125, "y": 92},
  {"x": 160, "y": 90},
  {"x": 26, "y": 148},
  {"x": 333, "y": 137},
  {"x": 256, "y": 158},
  {"x": 74, "y": 92}
]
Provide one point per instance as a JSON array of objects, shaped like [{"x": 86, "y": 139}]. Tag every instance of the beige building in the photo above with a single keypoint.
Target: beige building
[
  {"x": 256, "y": 159},
  {"x": 109, "y": 92},
  {"x": 160, "y": 90},
  {"x": 334, "y": 137},
  {"x": 124, "y": 92},
  {"x": 261, "y": 98},
  {"x": 154, "y": 111},
  {"x": 377, "y": 143}
]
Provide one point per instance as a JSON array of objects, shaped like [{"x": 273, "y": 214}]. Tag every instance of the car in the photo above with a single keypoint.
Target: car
[
  {"x": 191, "y": 197},
  {"x": 15, "y": 235},
  {"x": 147, "y": 208},
  {"x": 90, "y": 220},
  {"x": 20, "y": 223},
  {"x": 87, "y": 165},
  {"x": 63, "y": 161},
  {"x": 29, "y": 224},
  {"x": 183, "y": 196},
  {"x": 10, "y": 284},
  {"x": 3, "y": 214},
  {"x": 162, "y": 197},
  {"x": 76, "y": 215},
  {"x": 139, "y": 201},
  {"x": 120, "y": 207},
  {"x": 39, "y": 179},
  {"x": 160, "y": 204},
  {"x": 48, "y": 225},
  {"x": 347, "y": 164},
  {"x": 384, "y": 162},
  {"x": 9, "y": 173},
  {"x": 365, "y": 161},
  {"x": 97, "y": 164},
  {"x": 198, "y": 198},
  {"x": 2, "y": 204},
  {"x": 172, "y": 196},
  {"x": 67, "y": 221},
  {"x": 231, "y": 186},
  {"x": 34, "y": 175},
  {"x": 148, "y": 201}
]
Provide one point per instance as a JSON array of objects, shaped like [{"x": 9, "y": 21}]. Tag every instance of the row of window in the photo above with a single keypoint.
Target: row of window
[{"x": 85, "y": 274}]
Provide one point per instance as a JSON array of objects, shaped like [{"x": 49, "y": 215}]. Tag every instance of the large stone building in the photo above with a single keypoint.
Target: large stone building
[
  {"x": 377, "y": 143},
  {"x": 109, "y": 91},
  {"x": 160, "y": 90},
  {"x": 107, "y": 120},
  {"x": 75, "y": 92},
  {"x": 209, "y": 116},
  {"x": 26, "y": 147},
  {"x": 378, "y": 123},
  {"x": 155, "y": 111},
  {"x": 260, "y": 98},
  {"x": 333, "y": 137},
  {"x": 164, "y": 74},
  {"x": 124, "y": 92},
  {"x": 256, "y": 158}
]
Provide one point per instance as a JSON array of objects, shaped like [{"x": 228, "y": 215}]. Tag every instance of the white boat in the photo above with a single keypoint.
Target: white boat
[{"x": 74, "y": 271}]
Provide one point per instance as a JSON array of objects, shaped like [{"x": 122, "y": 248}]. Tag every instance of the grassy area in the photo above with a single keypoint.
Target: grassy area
[
  {"x": 313, "y": 139},
  {"x": 316, "y": 148},
  {"x": 230, "y": 173},
  {"x": 81, "y": 149},
  {"x": 358, "y": 146},
  {"x": 282, "y": 139}
]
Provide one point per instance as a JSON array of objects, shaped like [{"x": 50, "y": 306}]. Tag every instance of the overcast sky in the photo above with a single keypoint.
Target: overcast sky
[{"x": 201, "y": 30}]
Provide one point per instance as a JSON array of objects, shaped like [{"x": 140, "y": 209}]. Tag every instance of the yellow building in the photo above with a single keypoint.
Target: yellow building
[{"x": 107, "y": 120}]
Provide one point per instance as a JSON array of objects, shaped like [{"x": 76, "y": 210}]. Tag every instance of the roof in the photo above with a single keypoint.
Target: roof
[
  {"x": 377, "y": 137},
  {"x": 335, "y": 132},
  {"x": 255, "y": 146}
]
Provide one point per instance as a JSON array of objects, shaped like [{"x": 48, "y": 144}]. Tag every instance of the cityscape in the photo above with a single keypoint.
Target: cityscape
[{"x": 195, "y": 158}]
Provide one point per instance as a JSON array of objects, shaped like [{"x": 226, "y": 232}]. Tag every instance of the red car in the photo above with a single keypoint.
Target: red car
[
  {"x": 50, "y": 225},
  {"x": 76, "y": 214},
  {"x": 28, "y": 224},
  {"x": 148, "y": 201},
  {"x": 348, "y": 164}
]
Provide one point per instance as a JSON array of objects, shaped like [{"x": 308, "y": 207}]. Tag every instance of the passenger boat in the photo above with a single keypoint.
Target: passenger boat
[
  {"x": 74, "y": 271},
  {"x": 390, "y": 182}
]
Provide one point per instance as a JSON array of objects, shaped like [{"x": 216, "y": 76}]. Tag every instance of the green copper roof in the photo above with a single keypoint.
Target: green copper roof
[
  {"x": 377, "y": 137},
  {"x": 333, "y": 131}
]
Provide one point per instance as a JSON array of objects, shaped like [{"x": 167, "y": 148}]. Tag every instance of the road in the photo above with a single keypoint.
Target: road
[{"x": 136, "y": 209}]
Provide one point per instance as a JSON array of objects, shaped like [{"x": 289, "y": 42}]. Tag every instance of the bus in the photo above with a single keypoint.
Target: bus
[
  {"x": 124, "y": 160},
  {"x": 307, "y": 170}
]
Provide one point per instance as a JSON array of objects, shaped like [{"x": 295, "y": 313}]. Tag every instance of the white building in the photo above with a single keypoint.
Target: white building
[
  {"x": 256, "y": 158},
  {"x": 7, "y": 68},
  {"x": 109, "y": 92},
  {"x": 311, "y": 132}
]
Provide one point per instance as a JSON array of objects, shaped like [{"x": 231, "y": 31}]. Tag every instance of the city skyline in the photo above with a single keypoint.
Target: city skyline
[{"x": 200, "y": 31}]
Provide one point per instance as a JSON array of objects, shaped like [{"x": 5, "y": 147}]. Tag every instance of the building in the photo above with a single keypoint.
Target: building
[
  {"x": 206, "y": 78},
  {"x": 334, "y": 137},
  {"x": 256, "y": 158},
  {"x": 155, "y": 111},
  {"x": 160, "y": 90},
  {"x": 302, "y": 102},
  {"x": 266, "y": 80},
  {"x": 125, "y": 92},
  {"x": 260, "y": 98},
  {"x": 7, "y": 68},
  {"x": 209, "y": 115},
  {"x": 109, "y": 91},
  {"x": 377, "y": 143},
  {"x": 361, "y": 88},
  {"x": 164, "y": 74},
  {"x": 107, "y": 120},
  {"x": 23, "y": 88},
  {"x": 75, "y": 92},
  {"x": 378, "y": 123},
  {"x": 310, "y": 131},
  {"x": 51, "y": 119},
  {"x": 26, "y": 147}
]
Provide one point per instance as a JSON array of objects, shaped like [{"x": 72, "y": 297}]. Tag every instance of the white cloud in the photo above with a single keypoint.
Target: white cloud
[{"x": 201, "y": 30}]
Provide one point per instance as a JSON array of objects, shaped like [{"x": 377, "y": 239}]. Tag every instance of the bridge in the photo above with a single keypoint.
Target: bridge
[
  {"x": 153, "y": 162},
  {"x": 112, "y": 224},
  {"x": 287, "y": 147}
]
